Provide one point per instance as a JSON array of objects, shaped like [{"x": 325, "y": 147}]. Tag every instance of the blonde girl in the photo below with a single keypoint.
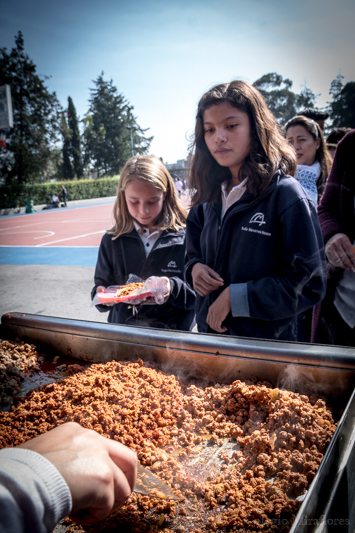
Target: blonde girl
[{"x": 147, "y": 239}]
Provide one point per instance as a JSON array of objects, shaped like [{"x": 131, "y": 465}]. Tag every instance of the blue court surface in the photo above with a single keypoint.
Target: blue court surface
[{"x": 57, "y": 256}]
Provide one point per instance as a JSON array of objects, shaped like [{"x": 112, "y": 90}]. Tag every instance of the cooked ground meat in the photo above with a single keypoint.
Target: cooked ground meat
[
  {"x": 240, "y": 454},
  {"x": 16, "y": 358},
  {"x": 127, "y": 289}
]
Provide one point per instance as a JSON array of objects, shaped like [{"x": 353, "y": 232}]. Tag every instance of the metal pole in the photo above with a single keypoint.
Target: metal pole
[{"x": 130, "y": 131}]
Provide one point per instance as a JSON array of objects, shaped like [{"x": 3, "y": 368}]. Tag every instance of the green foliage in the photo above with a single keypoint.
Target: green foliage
[
  {"x": 281, "y": 100},
  {"x": 306, "y": 99},
  {"x": 342, "y": 107},
  {"x": 36, "y": 114},
  {"x": 41, "y": 193},
  {"x": 75, "y": 141},
  {"x": 278, "y": 95},
  {"x": 108, "y": 126},
  {"x": 67, "y": 168}
]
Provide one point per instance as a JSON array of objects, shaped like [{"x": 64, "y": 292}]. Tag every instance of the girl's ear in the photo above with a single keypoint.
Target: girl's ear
[{"x": 318, "y": 143}]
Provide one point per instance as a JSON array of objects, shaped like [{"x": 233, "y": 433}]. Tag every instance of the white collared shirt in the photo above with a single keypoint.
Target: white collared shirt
[
  {"x": 233, "y": 196},
  {"x": 148, "y": 239}
]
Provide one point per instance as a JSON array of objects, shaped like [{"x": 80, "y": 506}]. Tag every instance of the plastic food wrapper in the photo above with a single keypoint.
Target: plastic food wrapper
[{"x": 154, "y": 290}]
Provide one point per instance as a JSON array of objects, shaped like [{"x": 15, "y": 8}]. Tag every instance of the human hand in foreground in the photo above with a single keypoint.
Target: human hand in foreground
[
  {"x": 205, "y": 279},
  {"x": 218, "y": 311},
  {"x": 100, "y": 288},
  {"x": 100, "y": 472},
  {"x": 340, "y": 252},
  {"x": 160, "y": 287}
]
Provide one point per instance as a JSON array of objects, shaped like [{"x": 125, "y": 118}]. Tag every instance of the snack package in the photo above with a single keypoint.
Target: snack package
[{"x": 154, "y": 290}]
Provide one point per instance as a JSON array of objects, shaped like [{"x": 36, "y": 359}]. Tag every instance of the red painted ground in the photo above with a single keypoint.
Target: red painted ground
[{"x": 83, "y": 226}]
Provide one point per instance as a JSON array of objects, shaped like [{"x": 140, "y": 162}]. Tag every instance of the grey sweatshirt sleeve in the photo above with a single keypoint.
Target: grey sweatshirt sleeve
[{"x": 33, "y": 494}]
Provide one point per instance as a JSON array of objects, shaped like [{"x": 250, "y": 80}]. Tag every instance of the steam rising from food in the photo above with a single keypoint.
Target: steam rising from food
[{"x": 277, "y": 440}]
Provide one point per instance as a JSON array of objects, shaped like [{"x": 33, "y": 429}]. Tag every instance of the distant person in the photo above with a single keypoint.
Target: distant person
[
  {"x": 334, "y": 318},
  {"x": 55, "y": 201},
  {"x": 66, "y": 471},
  {"x": 313, "y": 159},
  {"x": 254, "y": 246},
  {"x": 64, "y": 195},
  {"x": 148, "y": 239},
  {"x": 178, "y": 185},
  {"x": 334, "y": 137},
  {"x": 315, "y": 114},
  {"x": 313, "y": 165}
]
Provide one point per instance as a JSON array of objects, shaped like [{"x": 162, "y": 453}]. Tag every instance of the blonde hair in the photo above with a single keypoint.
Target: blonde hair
[{"x": 151, "y": 170}]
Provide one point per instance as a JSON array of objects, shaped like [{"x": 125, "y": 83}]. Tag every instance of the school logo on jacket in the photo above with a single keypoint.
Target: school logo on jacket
[
  {"x": 258, "y": 218},
  {"x": 171, "y": 268}
]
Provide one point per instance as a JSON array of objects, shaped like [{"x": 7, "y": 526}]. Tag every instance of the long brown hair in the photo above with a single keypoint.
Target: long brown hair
[
  {"x": 269, "y": 149},
  {"x": 322, "y": 154},
  {"x": 152, "y": 170}
]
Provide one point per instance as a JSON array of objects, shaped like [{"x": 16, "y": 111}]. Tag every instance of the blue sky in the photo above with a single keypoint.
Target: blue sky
[{"x": 163, "y": 55}]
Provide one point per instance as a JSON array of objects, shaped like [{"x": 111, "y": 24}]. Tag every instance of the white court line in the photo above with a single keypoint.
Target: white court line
[
  {"x": 70, "y": 238},
  {"x": 75, "y": 220},
  {"x": 32, "y": 231},
  {"x": 44, "y": 236}
]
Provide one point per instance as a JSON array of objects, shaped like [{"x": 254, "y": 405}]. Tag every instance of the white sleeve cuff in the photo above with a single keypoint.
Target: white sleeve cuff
[{"x": 36, "y": 487}]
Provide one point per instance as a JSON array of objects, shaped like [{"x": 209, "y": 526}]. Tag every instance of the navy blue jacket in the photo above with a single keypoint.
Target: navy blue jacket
[
  {"x": 269, "y": 250},
  {"x": 126, "y": 255}
]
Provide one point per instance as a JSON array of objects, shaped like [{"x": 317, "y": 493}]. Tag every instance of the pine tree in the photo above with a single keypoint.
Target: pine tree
[
  {"x": 342, "y": 106},
  {"x": 36, "y": 114},
  {"x": 107, "y": 137},
  {"x": 306, "y": 99},
  {"x": 75, "y": 144},
  {"x": 67, "y": 168}
]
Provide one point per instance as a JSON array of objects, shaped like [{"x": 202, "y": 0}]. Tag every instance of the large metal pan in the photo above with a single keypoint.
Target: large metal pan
[{"x": 329, "y": 503}]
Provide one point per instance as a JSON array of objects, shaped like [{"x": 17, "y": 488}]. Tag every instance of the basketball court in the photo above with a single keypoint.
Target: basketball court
[{"x": 64, "y": 236}]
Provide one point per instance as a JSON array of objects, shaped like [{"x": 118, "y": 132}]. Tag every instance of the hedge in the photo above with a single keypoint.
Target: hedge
[{"x": 41, "y": 193}]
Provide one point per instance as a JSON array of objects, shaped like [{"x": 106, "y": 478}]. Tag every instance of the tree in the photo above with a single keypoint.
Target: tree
[
  {"x": 278, "y": 95},
  {"x": 36, "y": 114},
  {"x": 342, "y": 106},
  {"x": 283, "y": 102},
  {"x": 67, "y": 167},
  {"x": 75, "y": 140},
  {"x": 108, "y": 127},
  {"x": 72, "y": 158},
  {"x": 306, "y": 99}
]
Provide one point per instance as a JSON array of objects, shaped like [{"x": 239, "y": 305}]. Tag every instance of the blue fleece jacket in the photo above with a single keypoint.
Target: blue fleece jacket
[
  {"x": 269, "y": 250},
  {"x": 125, "y": 255}
]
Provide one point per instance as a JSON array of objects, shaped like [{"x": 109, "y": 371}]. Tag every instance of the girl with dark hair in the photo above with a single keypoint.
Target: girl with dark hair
[
  {"x": 254, "y": 247},
  {"x": 147, "y": 239},
  {"x": 313, "y": 158}
]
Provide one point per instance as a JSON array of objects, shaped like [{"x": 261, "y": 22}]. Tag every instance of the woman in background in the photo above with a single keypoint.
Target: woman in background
[
  {"x": 313, "y": 159},
  {"x": 313, "y": 165}
]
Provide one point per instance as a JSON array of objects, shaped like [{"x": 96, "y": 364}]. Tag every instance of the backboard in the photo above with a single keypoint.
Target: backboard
[{"x": 6, "y": 120}]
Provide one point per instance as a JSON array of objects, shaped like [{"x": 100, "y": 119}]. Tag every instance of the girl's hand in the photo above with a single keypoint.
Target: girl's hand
[
  {"x": 340, "y": 252},
  {"x": 100, "y": 288},
  {"x": 218, "y": 311},
  {"x": 168, "y": 287},
  {"x": 205, "y": 279}
]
